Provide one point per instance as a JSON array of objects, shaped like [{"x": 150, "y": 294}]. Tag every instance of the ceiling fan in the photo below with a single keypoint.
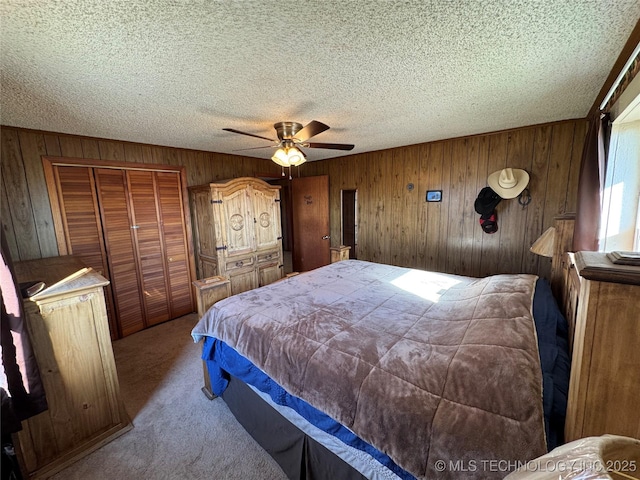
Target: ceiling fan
[{"x": 291, "y": 137}]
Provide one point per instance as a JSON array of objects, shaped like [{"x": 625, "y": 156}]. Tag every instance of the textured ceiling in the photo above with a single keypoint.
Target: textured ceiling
[{"x": 380, "y": 73}]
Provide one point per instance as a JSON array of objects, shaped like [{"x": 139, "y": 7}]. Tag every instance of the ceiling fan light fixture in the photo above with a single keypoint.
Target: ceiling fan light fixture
[{"x": 288, "y": 157}]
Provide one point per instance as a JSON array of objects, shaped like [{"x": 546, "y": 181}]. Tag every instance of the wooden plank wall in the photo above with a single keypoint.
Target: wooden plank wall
[
  {"x": 24, "y": 202},
  {"x": 399, "y": 227},
  {"x": 396, "y": 226}
]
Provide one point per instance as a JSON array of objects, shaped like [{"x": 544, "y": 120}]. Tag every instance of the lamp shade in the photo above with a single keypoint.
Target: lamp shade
[
  {"x": 280, "y": 157},
  {"x": 545, "y": 244},
  {"x": 295, "y": 157},
  {"x": 288, "y": 157}
]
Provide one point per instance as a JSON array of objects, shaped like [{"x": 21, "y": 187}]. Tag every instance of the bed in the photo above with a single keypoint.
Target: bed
[{"x": 364, "y": 370}]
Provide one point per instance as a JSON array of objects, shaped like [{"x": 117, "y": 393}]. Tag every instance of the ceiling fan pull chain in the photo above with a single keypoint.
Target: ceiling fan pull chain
[{"x": 282, "y": 170}]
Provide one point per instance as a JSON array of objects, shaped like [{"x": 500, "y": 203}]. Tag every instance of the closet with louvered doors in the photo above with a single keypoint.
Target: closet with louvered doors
[{"x": 138, "y": 237}]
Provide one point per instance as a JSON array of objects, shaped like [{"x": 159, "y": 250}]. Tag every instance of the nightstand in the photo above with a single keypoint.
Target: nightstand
[
  {"x": 339, "y": 253},
  {"x": 209, "y": 291}
]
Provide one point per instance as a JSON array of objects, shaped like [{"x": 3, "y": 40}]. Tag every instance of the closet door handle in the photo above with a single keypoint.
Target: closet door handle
[{"x": 135, "y": 226}]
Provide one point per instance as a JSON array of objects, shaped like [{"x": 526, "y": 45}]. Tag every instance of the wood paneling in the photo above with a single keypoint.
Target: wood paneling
[
  {"x": 397, "y": 226},
  {"x": 19, "y": 198},
  {"x": 26, "y": 209}
]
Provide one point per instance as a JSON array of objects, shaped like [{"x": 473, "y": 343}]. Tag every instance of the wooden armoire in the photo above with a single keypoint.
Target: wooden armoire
[
  {"x": 127, "y": 221},
  {"x": 237, "y": 232}
]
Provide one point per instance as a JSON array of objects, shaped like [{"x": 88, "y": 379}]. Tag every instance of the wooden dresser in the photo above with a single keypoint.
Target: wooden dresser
[
  {"x": 69, "y": 330},
  {"x": 602, "y": 300}
]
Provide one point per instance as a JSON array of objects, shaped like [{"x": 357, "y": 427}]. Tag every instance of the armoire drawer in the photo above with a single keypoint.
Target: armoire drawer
[
  {"x": 268, "y": 256},
  {"x": 242, "y": 262}
]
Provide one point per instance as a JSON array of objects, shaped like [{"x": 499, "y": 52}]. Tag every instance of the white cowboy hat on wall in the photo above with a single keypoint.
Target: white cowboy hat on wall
[{"x": 508, "y": 182}]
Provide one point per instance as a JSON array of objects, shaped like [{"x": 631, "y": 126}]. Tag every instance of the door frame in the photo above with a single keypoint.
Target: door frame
[{"x": 354, "y": 249}]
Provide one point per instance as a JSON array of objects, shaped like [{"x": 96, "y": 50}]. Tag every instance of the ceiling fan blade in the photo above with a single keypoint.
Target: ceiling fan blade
[
  {"x": 248, "y": 134},
  {"x": 252, "y": 148},
  {"x": 311, "y": 129},
  {"x": 334, "y": 146}
]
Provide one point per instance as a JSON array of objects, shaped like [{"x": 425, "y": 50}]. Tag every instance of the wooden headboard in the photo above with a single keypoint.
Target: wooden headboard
[
  {"x": 560, "y": 268},
  {"x": 563, "y": 226}
]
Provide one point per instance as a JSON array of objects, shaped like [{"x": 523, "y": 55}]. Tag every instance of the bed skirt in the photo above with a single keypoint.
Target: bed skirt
[{"x": 299, "y": 455}]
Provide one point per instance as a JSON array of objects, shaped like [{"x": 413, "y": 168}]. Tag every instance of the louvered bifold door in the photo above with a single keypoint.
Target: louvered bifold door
[
  {"x": 118, "y": 231},
  {"x": 79, "y": 212},
  {"x": 150, "y": 249},
  {"x": 172, "y": 214}
]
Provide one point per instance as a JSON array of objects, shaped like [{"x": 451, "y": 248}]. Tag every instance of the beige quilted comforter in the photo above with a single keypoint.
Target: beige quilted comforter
[{"x": 426, "y": 367}]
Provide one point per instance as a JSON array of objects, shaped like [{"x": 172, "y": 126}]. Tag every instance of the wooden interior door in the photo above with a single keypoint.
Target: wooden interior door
[
  {"x": 311, "y": 239},
  {"x": 73, "y": 196},
  {"x": 174, "y": 235},
  {"x": 111, "y": 186},
  {"x": 149, "y": 245}
]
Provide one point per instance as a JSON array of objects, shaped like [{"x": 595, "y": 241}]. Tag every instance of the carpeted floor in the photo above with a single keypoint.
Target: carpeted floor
[{"x": 178, "y": 433}]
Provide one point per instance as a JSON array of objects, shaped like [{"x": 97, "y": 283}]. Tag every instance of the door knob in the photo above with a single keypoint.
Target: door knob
[{"x": 326, "y": 237}]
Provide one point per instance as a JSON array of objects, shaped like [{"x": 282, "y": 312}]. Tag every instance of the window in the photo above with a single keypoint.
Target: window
[{"x": 620, "y": 222}]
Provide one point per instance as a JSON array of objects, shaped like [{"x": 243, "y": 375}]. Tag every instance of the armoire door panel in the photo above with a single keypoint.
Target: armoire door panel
[
  {"x": 142, "y": 191},
  {"x": 242, "y": 280},
  {"x": 203, "y": 223},
  {"x": 119, "y": 242},
  {"x": 174, "y": 233},
  {"x": 269, "y": 273},
  {"x": 237, "y": 222},
  {"x": 266, "y": 213}
]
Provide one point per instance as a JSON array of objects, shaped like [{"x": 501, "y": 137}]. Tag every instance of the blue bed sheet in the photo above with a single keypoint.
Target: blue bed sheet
[
  {"x": 223, "y": 360},
  {"x": 552, "y": 332},
  {"x": 553, "y": 345}
]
